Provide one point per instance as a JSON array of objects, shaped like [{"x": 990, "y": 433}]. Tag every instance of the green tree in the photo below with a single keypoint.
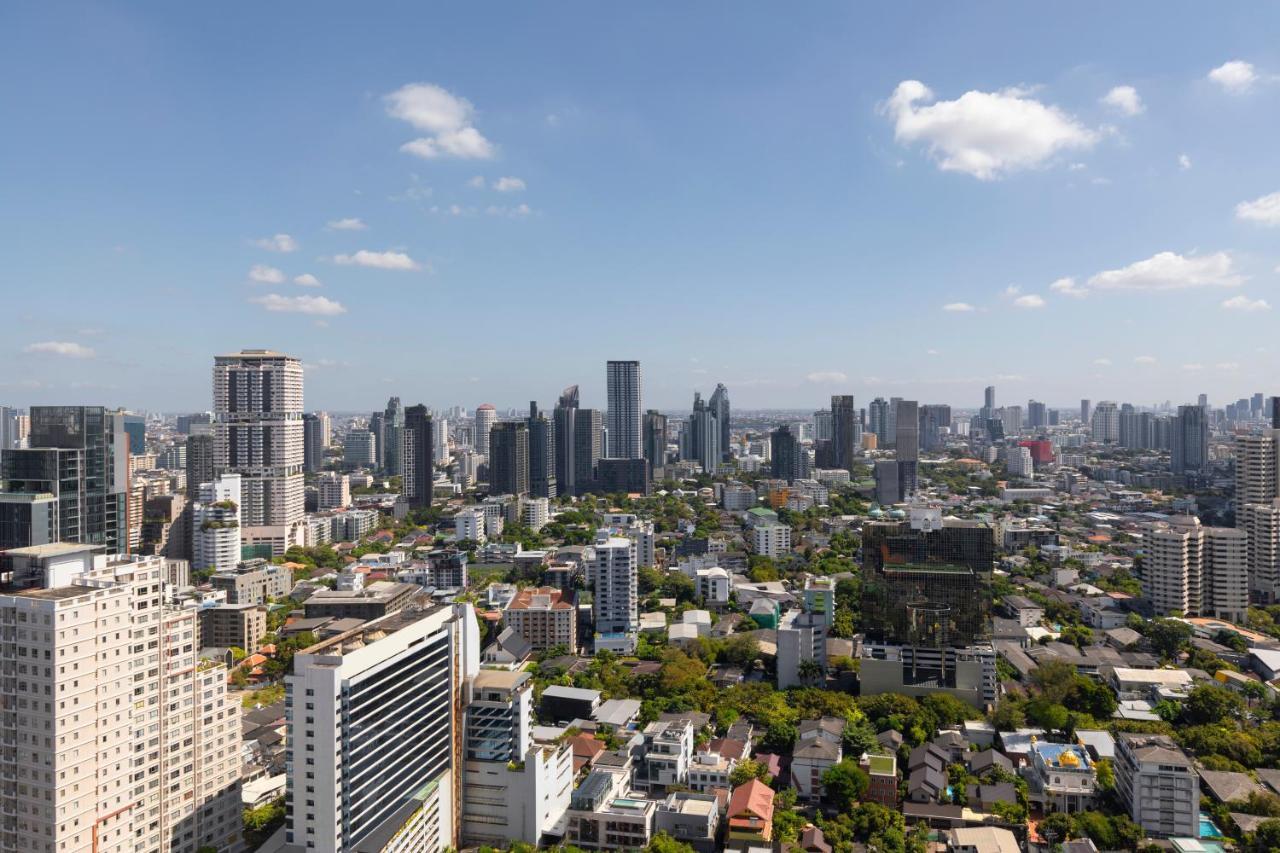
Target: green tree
[
  {"x": 747, "y": 770},
  {"x": 1167, "y": 636},
  {"x": 1057, "y": 828},
  {"x": 663, "y": 843},
  {"x": 1266, "y": 838},
  {"x": 844, "y": 784},
  {"x": 1209, "y": 703}
]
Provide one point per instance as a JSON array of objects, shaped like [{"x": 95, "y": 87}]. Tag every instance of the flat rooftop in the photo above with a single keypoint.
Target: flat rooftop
[
  {"x": 371, "y": 631},
  {"x": 54, "y": 549},
  {"x": 500, "y": 679},
  {"x": 56, "y": 593},
  {"x": 377, "y": 591}
]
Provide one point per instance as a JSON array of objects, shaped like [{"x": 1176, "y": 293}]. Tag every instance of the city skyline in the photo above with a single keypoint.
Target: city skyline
[{"x": 825, "y": 183}]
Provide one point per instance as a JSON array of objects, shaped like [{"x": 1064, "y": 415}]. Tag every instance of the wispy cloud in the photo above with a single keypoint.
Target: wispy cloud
[
  {"x": 1068, "y": 287},
  {"x": 66, "y": 349},
  {"x": 378, "y": 260},
  {"x": 1029, "y": 300},
  {"x": 826, "y": 377},
  {"x": 1244, "y": 303},
  {"x": 350, "y": 223},
  {"x": 1124, "y": 100},
  {"x": 1171, "y": 271},
  {"x": 509, "y": 185},
  {"x": 306, "y": 280},
  {"x": 316, "y": 305},
  {"x": 958, "y": 307},
  {"x": 1264, "y": 210},
  {"x": 263, "y": 274},
  {"x": 277, "y": 243},
  {"x": 1184, "y": 162},
  {"x": 1145, "y": 359}
]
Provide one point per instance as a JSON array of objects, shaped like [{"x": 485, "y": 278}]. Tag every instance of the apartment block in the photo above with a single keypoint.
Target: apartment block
[{"x": 544, "y": 617}]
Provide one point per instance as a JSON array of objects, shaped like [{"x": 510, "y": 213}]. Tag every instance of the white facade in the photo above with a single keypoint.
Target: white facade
[
  {"x": 1261, "y": 523},
  {"x": 215, "y": 520},
  {"x": 1195, "y": 570},
  {"x": 333, "y": 490},
  {"x": 486, "y": 415},
  {"x": 469, "y": 524},
  {"x": 535, "y": 513},
  {"x": 771, "y": 539},
  {"x": 738, "y": 497},
  {"x": 713, "y": 585},
  {"x": 613, "y": 574},
  {"x": 1158, "y": 784},
  {"x": 1020, "y": 463}
]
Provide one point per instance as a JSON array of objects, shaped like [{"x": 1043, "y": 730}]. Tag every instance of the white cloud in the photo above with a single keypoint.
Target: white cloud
[
  {"x": 957, "y": 307},
  {"x": 444, "y": 116},
  {"x": 1235, "y": 77},
  {"x": 1124, "y": 99},
  {"x": 1102, "y": 362},
  {"x": 1192, "y": 368},
  {"x": 318, "y": 305},
  {"x": 1184, "y": 162},
  {"x": 517, "y": 211},
  {"x": 931, "y": 352},
  {"x": 1030, "y": 300},
  {"x": 1013, "y": 290},
  {"x": 350, "y": 223},
  {"x": 277, "y": 243},
  {"x": 1170, "y": 271},
  {"x": 1244, "y": 303},
  {"x": 1145, "y": 359},
  {"x": 476, "y": 183},
  {"x": 1264, "y": 210},
  {"x": 378, "y": 260},
  {"x": 509, "y": 185},
  {"x": 827, "y": 376},
  {"x": 985, "y": 134},
  {"x": 306, "y": 280},
  {"x": 1067, "y": 287},
  {"x": 263, "y": 274},
  {"x": 63, "y": 348}
]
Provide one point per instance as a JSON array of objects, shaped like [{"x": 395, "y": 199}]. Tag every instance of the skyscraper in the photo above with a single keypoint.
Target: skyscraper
[
  {"x": 934, "y": 418},
  {"x": 624, "y": 421},
  {"x": 720, "y": 406},
  {"x": 1190, "y": 451},
  {"x": 843, "y": 431},
  {"x": 199, "y": 461},
  {"x": 588, "y": 447},
  {"x": 989, "y": 400},
  {"x": 655, "y": 443},
  {"x": 907, "y": 446},
  {"x": 542, "y": 454},
  {"x": 1195, "y": 570},
  {"x": 391, "y": 441},
  {"x": 788, "y": 459},
  {"x": 258, "y": 434},
  {"x": 878, "y": 421},
  {"x": 702, "y": 437},
  {"x": 509, "y": 458},
  {"x": 1085, "y": 412},
  {"x": 1037, "y": 414},
  {"x": 416, "y": 457},
  {"x": 312, "y": 443},
  {"x": 563, "y": 417},
  {"x": 613, "y": 575},
  {"x": 486, "y": 415},
  {"x": 377, "y": 422},
  {"x": 1105, "y": 423},
  {"x": 822, "y": 426},
  {"x": 215, "y": 523},
  {"x": 135, "y": 427}
]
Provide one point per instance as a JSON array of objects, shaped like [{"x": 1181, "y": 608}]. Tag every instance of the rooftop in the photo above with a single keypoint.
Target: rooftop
[
  {"x": 56, "y": 593},
  {"x": 370, "y": 632},
  {"x": 53, "y": 549}
]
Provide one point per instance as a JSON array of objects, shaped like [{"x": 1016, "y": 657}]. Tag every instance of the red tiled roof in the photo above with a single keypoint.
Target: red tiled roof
[{"x": 751, "y": 805}]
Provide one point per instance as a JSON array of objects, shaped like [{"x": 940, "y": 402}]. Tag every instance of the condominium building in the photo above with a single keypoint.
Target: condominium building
[
  {"x": 1261, "y": 524},
  {"x": 140, "y": 749},
  {"x": 360, "y": 449},
  {"x": 254, "y": 582},
  {"x": 771, "y": 539},
  {"x": 333, "y": 490},
  {"x": 486, "y": 415},
  {"x": 613, "y": 576},
  {"x": 258, "y": 434},
  {"x": 544, "y": 617},
  {"x": 1257, "y": 469},
  {"x": 416, "y": 457},
  {"x": 375, "y": 719},
  {"x": 624, "y": 413},
  {"x": 1104, "y": 423},
  {"x": 226, "y": 626},
  {"x": 1158, "y": 784},
  {"x": 215, "y": 524},
  {"x": 668, "y": 754},
  {"x": 1195, "y": 570}
]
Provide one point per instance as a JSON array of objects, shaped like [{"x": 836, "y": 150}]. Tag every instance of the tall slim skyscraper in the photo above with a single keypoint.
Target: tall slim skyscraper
[
  {"x": 720, "y": 406},
  {"x": 199, "y": 462},
  {"x": 258, "y": 434},
  {"x": 788, "y": 459},
  {"x": 822, "y": 426},
  {"x": 1086, "y": 413},
  {"x": 312, "y": 443},
  {"x": 588, "y": 447},
  {"x": 377, "y": 427},
  {"x": 416, "y": 457},
  {"x": 702, "y": 436},
  {"x": 393, "y": 424},
  {"x": 655, "y": 443},
  {"x": 614, "y": 577},
  {"x": 934, "y": 418},
  {"x": 624, "y": 419},
  {"x": 1190, "y": 451},
  {"x": 542, "y": 454},
  {"x": 509, "y": 458},
  {"x": 1037, "y": 414},
  {"x": 907, "y": 445},
  {"x": 878, "y": 421},
  {"x": 1105, "y": 423},
  {"x": 563, "y": 417},
  {"x": 486, "y": 415},
  {"x": 843, "y": 431}
]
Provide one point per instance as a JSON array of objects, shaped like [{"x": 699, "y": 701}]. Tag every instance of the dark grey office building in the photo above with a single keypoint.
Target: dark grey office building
[
  {"x": 509, "y": 458},
  {"x": 843, "y": 431},
  {"x": 788, "y": 459},
  {"x": 312, "y": 443},
  {"x": 542, "y": 454},
  {"x": 418, "y": 477}
]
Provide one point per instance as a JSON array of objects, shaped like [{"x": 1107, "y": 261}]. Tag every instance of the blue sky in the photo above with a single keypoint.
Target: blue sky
[{"x": 739, "y": 192}]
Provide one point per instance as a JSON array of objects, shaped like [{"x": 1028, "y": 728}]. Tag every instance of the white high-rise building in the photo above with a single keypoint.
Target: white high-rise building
[
  {"x": 1158, "y": 784},
  {"x": 486, "y": 416},
  {"x": 1020, "y": 463},
  {"x": 771, "y": 539},
  {"x": 1105, "y": 422},
  {"x": 133, "y": 747},
  {"x": 534, "y": 513},
  {"x": 1195, "y": 570},
  {"x": 614, "y": 576},
  {"x": 333, "y": 490},
  {"x": 1261, "y": 524},
  {"x": 440, "y": 440},
  {"x": 258, "y": 434},
  {"x": 374, "y": 732},
  {"x": 1257, "y": 471},
  {"x": 625, "y": 422},
  {"x": 215, "y": 524}
]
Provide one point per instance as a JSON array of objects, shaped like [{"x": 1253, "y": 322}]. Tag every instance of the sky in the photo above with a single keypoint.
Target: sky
[{"x": 484, "y": 202}]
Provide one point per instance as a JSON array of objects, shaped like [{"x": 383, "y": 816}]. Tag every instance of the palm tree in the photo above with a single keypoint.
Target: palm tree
[{"x": 811, "y": 672}]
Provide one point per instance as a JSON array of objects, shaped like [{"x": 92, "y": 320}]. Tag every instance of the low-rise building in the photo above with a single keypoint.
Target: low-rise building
[
  {"x": 233, "y": 625},
  {"x": 601, "y": 818},
  {"x": 691, "y": 818},
  {"x": 544, "y": 617},
  {"x": 372, "y": 602},
  {"x": 668, "y": 752},
  {"x": 1157, "y": 783},
  {"x": 750, "y": 816},
  {"x": 1061, "y": 778}
]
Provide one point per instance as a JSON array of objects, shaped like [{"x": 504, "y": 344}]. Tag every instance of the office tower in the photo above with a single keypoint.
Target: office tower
[
  {"x": 655, "y": 443},
  {"x": 823, "y": 429},
  {"x": 1255, "y": 406},
  {"x": 418, "y": 479},
  {"x": 257, "y": 403},
  {"x": 1085, "y": 412},
  {"x": 79, "y": 455},
  {"x": 622, "y": 476},
  {"x": 333, "y": 490},
  {"x": 28, "y": 518},
  {"x": 624, "y": 421},
  {"x": 1190, "y": 451},
  {"x": 440, "y": 440},
  {"x": 199, "y": 461},
  {"x": 378, "y": 426},
  {"x": 907, "y": 444},
  {"x": 375, "y": 728},
  {"x": 509, "y": 458},
  {"x": 139, "y": 748},
  {"x": 135, "y": 428},
  {"x": 878, "y": 421},
  {"x": 702, "y": 437},
  {"x": 215, "y": 524},
  {"x": 1158, "y": 785},
  {"x": 486, "y": 415},
  {"x": 613, "y": 576},
  {"x": 987, "y": 412},
  {"x": 1104, "y": 425},
  {"x": 1127, "y": 422},
  {"x": 200, "y": 423},
  {"x": 8, "y": 429},
  {"x": 392, "y": 437},
  {"x": 788, "y": 459},
  {"x": 888, "y": 482},
  {"x": 926, "y": 607},
  {"x": 843, "y": 431},
  {"x": 1037, "y": 415},
  {"x": 720, "y": 407},
  {"x": 563, "y": 417},
  {"x": 514, "y": 789},
  {"x": 934, "y": 419},
  {"x": 891, "y": 423},
  {"x": 360, "y": 449},
  {"x": 1054, "y": 417},
  {"x": 542, "y": 454},
  {"x": 1011, "y": 419},
  {"x": 313, "y": 443},
  {"x": 1195, "y": 570}
]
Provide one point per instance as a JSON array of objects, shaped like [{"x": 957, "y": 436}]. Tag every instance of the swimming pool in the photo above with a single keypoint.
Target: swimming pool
[{"x": 1208, "y": 829}]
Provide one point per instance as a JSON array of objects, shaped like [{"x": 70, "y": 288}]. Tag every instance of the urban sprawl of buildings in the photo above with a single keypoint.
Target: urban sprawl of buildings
[{"x": 890, "y": 627}]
